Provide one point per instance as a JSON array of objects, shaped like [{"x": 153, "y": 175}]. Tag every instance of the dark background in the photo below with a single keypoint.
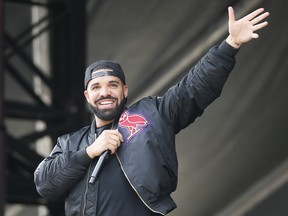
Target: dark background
[{"x": 232, "y": 160}]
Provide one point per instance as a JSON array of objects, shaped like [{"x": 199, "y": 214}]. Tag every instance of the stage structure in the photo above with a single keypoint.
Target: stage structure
[{"x": 43, "y": 59}]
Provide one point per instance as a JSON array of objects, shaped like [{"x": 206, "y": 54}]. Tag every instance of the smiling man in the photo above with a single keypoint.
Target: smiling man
[
  {"x": 141, "y": 172},
  {"x": 107, "y": 94}
]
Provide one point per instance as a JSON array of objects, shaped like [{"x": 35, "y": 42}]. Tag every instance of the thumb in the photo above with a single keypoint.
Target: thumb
[{"x": 231, "y": 14}]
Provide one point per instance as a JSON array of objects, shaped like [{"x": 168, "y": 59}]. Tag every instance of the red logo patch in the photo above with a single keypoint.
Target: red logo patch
[{"x": 134, "y": 123}]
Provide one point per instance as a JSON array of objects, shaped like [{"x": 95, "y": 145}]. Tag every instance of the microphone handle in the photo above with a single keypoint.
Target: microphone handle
[{"x": 96, "y": 172}]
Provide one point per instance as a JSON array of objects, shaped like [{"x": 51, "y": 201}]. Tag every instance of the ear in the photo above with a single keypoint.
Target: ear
[
  {"x": 86, "y": 96},
  {"x": 125, "y": 91}
]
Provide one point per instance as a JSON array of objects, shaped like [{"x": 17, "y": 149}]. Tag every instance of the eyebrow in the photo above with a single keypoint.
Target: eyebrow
[
  {"x": 114, "y": 81},
  {"x": 110, "y": 82}
]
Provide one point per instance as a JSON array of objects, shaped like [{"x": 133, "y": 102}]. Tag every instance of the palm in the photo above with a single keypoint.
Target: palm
[{"x": 243, "y": 30}]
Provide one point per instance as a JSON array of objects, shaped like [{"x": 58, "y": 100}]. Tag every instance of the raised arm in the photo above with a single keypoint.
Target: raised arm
[
  {"x": 184, "y": 102},
  {"x": 243, "y": 30}
]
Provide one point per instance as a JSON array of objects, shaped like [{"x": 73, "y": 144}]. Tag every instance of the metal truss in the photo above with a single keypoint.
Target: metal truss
[{"x": 65, "y": 24}]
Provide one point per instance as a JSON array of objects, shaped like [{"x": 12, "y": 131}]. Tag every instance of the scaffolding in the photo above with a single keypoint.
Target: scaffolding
[{"x": 42, "y": 61}]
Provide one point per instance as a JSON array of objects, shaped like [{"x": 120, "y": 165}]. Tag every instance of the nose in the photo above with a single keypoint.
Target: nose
[{"x": 105, "y": 91}]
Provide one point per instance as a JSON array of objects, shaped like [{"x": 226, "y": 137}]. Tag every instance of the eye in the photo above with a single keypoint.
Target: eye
[
  {"x": 114, "y": 85},
  {"x": 95, "y": 87}
]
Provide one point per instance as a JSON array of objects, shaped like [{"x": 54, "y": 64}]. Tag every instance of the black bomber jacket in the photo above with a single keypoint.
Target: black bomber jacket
[{"x": 149, "y": 128}]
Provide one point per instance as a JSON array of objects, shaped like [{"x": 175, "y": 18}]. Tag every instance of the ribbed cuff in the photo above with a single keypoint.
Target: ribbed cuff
[
  {"x": 227, "y": 49},
  {"x": 81, "y": 158}
]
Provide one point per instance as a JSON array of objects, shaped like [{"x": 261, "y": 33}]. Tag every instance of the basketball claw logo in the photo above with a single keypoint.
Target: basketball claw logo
[{"x": 134, "y": 123}]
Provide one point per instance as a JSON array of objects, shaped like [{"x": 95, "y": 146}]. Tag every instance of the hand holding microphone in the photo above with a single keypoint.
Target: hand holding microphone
[{"x": 106, "y": 144}]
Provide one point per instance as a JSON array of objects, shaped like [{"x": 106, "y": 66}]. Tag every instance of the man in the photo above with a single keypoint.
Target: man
[{"x": 141, "y": 171}]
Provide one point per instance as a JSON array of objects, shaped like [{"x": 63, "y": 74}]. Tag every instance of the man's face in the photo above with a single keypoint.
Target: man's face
[{"x": 106, "y": 96}]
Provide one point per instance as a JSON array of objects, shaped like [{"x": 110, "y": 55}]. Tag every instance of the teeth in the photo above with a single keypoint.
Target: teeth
[{"x": 106, "y": 102}]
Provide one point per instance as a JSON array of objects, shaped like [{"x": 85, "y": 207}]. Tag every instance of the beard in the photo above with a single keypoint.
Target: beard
[{"x": 108, "y": 114}]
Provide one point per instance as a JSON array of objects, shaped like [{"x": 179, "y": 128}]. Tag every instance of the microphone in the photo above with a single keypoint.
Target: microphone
[{"x": 99, "y": 165}]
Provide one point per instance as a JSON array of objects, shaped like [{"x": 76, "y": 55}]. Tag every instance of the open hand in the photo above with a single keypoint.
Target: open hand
[{"x": 243, "y": 30}]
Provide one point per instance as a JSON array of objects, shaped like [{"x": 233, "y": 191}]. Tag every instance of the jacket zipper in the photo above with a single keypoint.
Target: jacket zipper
[
  {"x": 86, "y": 191},
  {"x": 135, "y": 188},
  {"x": 86, "y": 186}
]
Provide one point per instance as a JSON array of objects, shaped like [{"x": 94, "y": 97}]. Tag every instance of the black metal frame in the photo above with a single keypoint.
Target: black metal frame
[{"x": 65, "y": 24}]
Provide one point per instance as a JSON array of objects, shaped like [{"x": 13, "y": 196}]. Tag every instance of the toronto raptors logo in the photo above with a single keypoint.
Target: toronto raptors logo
[{"x": 134, "y": 123}]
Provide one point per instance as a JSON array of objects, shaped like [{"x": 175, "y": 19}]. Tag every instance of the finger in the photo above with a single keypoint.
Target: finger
[
  {"x": 259, "y": 18},
  {"x": 113, "y": 148},
  {"x": 255, "y": 35},
  {"x": 114, "y": 140},
  {"x": 260, "y": 26},
  {"x": 231, "y": 14},
  {"x": 120, "y": 135},
  {"x": 113, "y": 133},
  {"x": 254, "y": 14}
]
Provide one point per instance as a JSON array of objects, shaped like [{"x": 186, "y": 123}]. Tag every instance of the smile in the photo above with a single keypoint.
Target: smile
[{"x": 106, "y": 102}]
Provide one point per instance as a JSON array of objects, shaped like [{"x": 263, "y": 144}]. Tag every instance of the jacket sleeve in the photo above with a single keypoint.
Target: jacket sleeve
[
  {"x": 57, "y": 173},
  {"x": 185, "y": 101}
]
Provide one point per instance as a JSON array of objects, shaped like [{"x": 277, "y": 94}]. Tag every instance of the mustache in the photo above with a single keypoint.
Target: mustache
[{"x": 104, "y": 98}]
